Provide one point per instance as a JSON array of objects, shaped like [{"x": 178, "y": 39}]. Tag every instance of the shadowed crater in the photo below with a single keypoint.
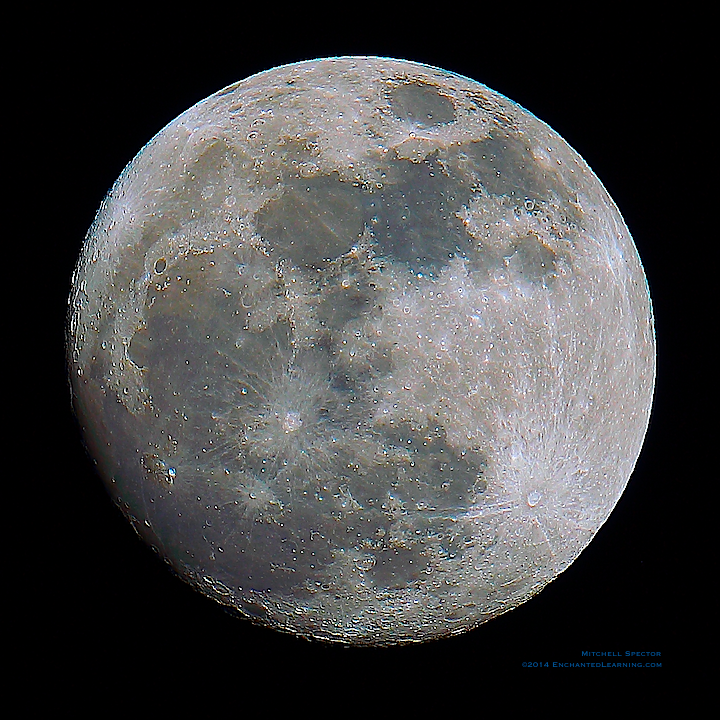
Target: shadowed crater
[{"x": 421, "y": 104}]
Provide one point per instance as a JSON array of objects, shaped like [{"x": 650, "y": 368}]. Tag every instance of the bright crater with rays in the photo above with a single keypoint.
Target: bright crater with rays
[{"x": 363, "y": 349}]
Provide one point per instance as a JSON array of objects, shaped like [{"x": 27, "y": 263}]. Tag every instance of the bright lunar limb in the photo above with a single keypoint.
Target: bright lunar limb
[{"x": 363, "y": 348}]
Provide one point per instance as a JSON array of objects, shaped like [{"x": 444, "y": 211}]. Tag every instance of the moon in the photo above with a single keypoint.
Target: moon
[{"x": 363, "y": 349}]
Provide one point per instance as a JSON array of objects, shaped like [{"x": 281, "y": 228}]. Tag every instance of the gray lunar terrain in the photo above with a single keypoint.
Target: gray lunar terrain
[{"x": 363, "y": 348}]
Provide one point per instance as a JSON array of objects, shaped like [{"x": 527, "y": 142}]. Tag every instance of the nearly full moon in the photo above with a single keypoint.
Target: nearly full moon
[{"x": 363, "y": 349}]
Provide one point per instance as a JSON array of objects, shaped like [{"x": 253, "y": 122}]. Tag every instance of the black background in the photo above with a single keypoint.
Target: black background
[{"x": 94, "y": 601}]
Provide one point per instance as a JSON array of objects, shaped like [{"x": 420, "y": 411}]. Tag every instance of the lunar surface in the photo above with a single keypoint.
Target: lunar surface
[{"x": 363, "y": 349}]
